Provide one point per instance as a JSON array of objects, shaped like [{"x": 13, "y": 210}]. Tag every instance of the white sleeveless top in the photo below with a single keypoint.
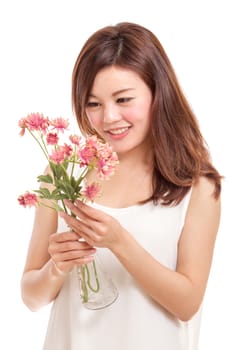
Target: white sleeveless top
[{"x": 134, "y": 321}]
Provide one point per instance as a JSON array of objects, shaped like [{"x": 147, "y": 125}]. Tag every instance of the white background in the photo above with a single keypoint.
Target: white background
[{"x": 39, "y": 42}]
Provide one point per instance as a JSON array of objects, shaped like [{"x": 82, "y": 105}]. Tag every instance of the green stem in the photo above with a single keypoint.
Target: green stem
[
  {"x": 73, "y": 163},
  {"x": 45, "y": 205},
  {"x": 83, "y": 173},
  {"x": 63, "y": 204},
  {"x": 84, "y": 290},
  {"x": 43, "y": 149},
  {"x": 95, "y": 290},
  {"x": 85, "y": 281}
]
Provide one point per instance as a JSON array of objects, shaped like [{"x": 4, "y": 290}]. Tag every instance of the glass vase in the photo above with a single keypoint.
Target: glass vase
[{"x": 97, "y": 289}]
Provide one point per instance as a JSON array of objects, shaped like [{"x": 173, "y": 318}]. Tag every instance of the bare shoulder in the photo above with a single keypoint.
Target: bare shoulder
[
  {"x": 203, "y": 205},
  {"x": 203, "y": 193},
  {"x": 204, "y": 187}
]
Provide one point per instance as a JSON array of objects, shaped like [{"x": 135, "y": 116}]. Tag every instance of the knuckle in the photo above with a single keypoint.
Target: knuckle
[
  {"x": 102, "y": 230},
  {"x": 98, "y": 239},
  {"x": 73, "y": 254},
  {"x": 60, "y": 237},
  {"x": 52, "y": 237},
  {"x": 70, "y": 255},
  {"x": 83, "y": 245},
  {"x": 51, "y": 249},
  {"x": 55, "y": 257},
  {"x": 68, "y": 246}
]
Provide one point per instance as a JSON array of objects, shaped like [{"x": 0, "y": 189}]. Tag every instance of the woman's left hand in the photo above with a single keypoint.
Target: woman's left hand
[{"x": 94, "y": 226}]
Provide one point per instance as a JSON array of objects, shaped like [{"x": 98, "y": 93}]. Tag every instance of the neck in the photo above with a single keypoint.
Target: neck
[
  {"x": 136, "y": 159},
  {"x": 131, "y": 183}
]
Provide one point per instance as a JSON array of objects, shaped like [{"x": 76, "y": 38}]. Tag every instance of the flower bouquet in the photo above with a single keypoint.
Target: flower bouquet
[{"x": 63, "y": 158}]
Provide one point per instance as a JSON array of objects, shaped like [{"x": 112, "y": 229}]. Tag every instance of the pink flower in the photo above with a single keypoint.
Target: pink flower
[
  {"x": 90, "y": 153},
  {"x": 90, "y": 192},
  {"x": 105, "y": 150},
  {"x": 22, "y": 132},
  {"x": 107, "y": 161},
  {"x": 87, "y": 155},
  {"x": 75, "y": 139},
  {"x": 93, "y": 142},
  {"x": 60, "y": 124},
  {"x": 22, "y": 123},
  {"x": 99, "y": 155},
  {"x": 52, "y": 138},
  {"x": 105, "y": 168},
  {"x": 67, "y": 150},
  {"x": 28, "y": 199},
  {"x": 34, "y": 121},
  {"x": 58, "y": 156}
]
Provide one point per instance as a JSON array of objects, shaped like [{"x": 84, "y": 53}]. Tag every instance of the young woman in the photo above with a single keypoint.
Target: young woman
[{"x": 156, "y": 221}]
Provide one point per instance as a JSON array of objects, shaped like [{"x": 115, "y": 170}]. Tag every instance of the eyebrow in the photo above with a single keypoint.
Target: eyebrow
[{"x": 116, "y": 92}]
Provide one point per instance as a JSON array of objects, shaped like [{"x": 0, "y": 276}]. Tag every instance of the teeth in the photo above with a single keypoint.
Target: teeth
[{"x": 118, "y": 131}]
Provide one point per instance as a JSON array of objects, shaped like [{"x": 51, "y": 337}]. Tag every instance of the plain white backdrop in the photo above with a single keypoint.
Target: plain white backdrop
[{"x": 39, "y": 42}]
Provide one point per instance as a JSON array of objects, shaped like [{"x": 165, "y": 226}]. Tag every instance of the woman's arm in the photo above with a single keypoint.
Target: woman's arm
[
  {"x": 40, "y": 281},
  {"x": 181, "y": 291},
  {"x": 50, "y": 257}
]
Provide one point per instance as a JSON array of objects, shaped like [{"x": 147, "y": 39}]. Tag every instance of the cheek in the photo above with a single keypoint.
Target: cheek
[
  {"x": 138, "y": 113},
  {"x": 94, "y": 120}
]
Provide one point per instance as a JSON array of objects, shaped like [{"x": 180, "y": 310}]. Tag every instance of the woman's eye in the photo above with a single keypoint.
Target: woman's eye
[
  {"x": 124, "y": 99},
  {"x": 92, "y": 104}
]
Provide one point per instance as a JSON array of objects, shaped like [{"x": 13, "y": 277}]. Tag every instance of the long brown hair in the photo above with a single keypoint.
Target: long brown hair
[{"x": 180, "y": 153}]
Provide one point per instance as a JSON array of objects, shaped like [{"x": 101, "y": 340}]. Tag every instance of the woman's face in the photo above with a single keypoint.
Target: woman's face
[{"x": 118, "y": 108}]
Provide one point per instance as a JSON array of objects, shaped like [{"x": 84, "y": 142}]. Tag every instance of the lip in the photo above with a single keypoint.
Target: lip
[
  {"x": 117, "y": 128},
  {"x": 120, "y": 135}
]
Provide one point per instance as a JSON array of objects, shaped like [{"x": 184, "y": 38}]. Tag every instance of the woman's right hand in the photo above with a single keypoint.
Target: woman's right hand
[{"x": 67, "y": 250}]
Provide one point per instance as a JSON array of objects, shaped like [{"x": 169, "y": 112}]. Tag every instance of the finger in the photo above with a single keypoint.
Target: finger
[
  {"x": 70, "y": 246},
  {"x": 85, "y": 232},
  {"x": 74, "y": 223},
  {"x": 89, "y": 234},
  {"x": 83, "y": 222},
  {"x": 81, "y": 215},
  {"x": 73, "y": 255},
  {"x": 64, "y": 267},
  {"x": 80, "y": 207},
  {"x": 64, "y": 236},
  {"x": 92, "y": 239},
  {"x": 56, "y": 246}
]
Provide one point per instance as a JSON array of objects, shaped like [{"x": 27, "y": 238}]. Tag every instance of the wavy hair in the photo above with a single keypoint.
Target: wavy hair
[{"x": 181, "y": 154}]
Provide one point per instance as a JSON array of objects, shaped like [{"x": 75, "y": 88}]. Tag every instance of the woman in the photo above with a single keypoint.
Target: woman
[{"x": 156, "y": 222}]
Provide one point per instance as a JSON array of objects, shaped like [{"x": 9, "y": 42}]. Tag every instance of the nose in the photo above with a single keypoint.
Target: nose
[{"x": 111, "y": 114}]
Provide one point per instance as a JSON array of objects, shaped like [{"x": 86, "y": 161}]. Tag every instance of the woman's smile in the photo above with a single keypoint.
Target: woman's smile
[
  {"x": 118, "y": 133},
  {"x": 119, "y": 108}
]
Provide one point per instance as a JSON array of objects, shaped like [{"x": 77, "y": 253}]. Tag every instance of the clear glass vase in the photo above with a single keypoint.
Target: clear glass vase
[{"x": 97, "y": 289}]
